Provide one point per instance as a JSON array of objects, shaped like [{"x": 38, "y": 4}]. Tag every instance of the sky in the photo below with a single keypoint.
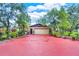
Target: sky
[{"x": 38, "y": 10}]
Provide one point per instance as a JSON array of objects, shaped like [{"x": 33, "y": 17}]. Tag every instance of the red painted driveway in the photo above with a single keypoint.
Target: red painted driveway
[{"x": 39, "y": 45}]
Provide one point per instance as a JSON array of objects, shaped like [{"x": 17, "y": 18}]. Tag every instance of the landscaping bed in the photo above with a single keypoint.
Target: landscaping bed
[{"x": 67, "y": 35}]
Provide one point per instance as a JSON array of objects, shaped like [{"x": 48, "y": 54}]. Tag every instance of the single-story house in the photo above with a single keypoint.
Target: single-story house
[{"x": 39, "y": 29}]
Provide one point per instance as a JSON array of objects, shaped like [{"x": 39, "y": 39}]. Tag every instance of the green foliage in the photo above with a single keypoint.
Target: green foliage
[
  {"x": 57, "y": 34},
  {"x": 63, "y": 22},
  {"x": 20, "y": 33},
  {"x": 22, "y": 22},
  {"x": 66, "y": 33},
  {"x": 8, "y": 13},
  {"x": 13, "y": 34},
  {"x": 59, "y": 20},
  {"x": 3, "y": 36},
  {"x": 42, "y": 21},
  {"x": 74, "y": 35}
]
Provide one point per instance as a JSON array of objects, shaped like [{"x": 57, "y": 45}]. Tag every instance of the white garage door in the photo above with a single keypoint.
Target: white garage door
[{"x": 41, "y": 31}]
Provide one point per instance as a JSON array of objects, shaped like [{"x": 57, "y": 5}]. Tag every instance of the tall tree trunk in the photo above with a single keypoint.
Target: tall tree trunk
[
  {"x": 8, "y": 28},
  {"x": 23, "y": 29}
]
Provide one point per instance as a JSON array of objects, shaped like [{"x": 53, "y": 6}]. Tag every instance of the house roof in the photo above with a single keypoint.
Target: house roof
[{"x": 38, "y": 25}]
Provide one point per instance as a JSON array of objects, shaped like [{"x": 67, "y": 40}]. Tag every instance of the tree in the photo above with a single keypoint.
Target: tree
[
  {"x": 9, "y": 12},
  {"x": 23, "y": 22},
  {"x": 53, "y": 19},
  {"x": 64, "y": 22},
  {"x": 73, "y": 11},
  {"x": 43, "y": 20}
]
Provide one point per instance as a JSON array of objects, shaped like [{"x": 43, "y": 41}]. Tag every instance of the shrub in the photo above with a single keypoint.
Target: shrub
[
  {"x": 57, "y": 34},
  {"x": 13, "y": 34},
  {"x": 66, "y": 33},
  {"x": 20, "y": 33},
  {"x": 74, "y": 35},
  {"x": 77, "y": 35},
  {"x": 53, "y": 33},
  {"x": 4, "y": 36},
  {"x": 0, "y": 35}
]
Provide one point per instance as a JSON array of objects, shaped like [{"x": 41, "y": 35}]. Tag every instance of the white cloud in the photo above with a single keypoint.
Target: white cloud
[
  {"x": 46, "y": 6},
  {"x": 38, "y": 14},
  {"x": 31, "y": 8},
  {"x": 35, "y": 16},
  {"x": 49, "y": 6}
]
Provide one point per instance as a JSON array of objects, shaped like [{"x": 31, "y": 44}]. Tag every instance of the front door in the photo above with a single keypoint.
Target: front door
[{"x": 30, "y": 31}]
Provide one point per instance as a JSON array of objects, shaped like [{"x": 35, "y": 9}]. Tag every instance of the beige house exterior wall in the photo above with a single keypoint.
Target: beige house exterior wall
[{"x": 40, "y": 30}]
